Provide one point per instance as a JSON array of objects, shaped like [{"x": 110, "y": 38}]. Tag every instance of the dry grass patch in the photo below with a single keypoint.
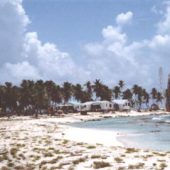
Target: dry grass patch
[
  {"x": 162, "y": 166},
  {"x": 71, "y": 167},
  {"x": 10, "y": 164},
  {"x": 21, "y": 156},
  {"x": 131, "y": 150},
  {"x": 65, "y": 141},
  {"x": 137, "y": 166},
  {"x": 13, "y": 151},
  {"x": 53, "y": 161},
  {"x": 79, "y": 160},
  {"x": 100, "y": 164},
  {"x": 118, "y": 160},
  {"x": 95, "y": 156},
  {"x": 19, "y": 167},
  {"x": 91, "y": 147},
  {"x": 4, "y": 157},
  {"x": 20, "y": 145},
  {"x": 160, "y": 154},
  {"x": 4, "y": 168},
  {"x": 36, "y": 158},
  {"x": 48, "y": 154},
  {"x": 121, "y": 168}
]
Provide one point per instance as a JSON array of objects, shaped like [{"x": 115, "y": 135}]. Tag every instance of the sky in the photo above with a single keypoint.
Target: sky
[{"x": 80, "y": 40}]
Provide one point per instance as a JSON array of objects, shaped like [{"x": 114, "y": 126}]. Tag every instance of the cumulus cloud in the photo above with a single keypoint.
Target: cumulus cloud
[
  {"x": 135, "y": 62},
  {"x": 164, "y": 25},
  {"x": 24, "y": 56},
  {"x": 124, "y": 18}
]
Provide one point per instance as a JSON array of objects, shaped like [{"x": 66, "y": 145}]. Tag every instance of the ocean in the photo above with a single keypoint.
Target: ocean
[{"x": 144, "y": 132}]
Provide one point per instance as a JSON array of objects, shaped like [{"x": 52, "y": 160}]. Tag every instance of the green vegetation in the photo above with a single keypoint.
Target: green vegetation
[{"x": 36, "y": 96}]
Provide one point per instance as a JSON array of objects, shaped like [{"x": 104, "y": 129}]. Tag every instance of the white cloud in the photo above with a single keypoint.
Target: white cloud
[
  {"x": 135, "y": 62},
  {"x": 113, "y": 34},
  {"x": 24, "y": 56},
  {"x": 124, "y": 18},
  {"x": 22, "y": 70},
  {"x": 164, "y": 25}
]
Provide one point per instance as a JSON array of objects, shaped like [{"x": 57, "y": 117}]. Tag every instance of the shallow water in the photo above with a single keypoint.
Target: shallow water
[{"x": 147, "y": 132}]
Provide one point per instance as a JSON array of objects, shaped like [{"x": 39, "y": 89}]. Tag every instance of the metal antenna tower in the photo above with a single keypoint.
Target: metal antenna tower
[{"x": 161, "y": 79}]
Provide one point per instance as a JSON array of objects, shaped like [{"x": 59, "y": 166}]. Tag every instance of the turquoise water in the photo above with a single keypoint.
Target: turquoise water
[{"x": 146, "y": 132}]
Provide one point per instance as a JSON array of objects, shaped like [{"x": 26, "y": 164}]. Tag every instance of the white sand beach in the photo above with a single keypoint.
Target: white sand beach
[{"x": 48, "y": 143}]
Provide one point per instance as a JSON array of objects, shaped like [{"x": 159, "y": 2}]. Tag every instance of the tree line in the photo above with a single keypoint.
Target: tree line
[{"x": 31, "y": 97}]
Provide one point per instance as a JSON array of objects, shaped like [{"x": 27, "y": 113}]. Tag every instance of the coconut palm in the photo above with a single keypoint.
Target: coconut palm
[
  {"x": 89, "y": 90},
  {"x": 77, "y": 92},
  {"x": 97, "y": 88},
  {"x": 105, "y": 93},
  {"x": 154, "y": 93},
  {"x": 146, "y": 98},
  {"x": 10, "y": 97},
  {"x": 49, "y": 90},
  {"x": 127, "y": 94},
  {"x": 121, "y": 85},
  {"x": 159, "y": 98},
  {"x": 26, "y": 97},
  {"x": 116, "y": 92},
  {"x": 56, "y": 96},
  {"x": 41, "y": 100},
  {"x": 135, "y": 91},
  {"x": 67, "y": 91}
]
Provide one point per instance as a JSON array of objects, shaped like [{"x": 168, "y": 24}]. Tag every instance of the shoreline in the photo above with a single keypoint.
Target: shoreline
[
  {"x": 105, "y": 137},
  {"x": 93, "y": 136}
]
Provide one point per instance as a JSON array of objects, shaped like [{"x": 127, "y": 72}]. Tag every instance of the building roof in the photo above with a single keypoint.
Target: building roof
[
  {"x": 95, "y": 102},
  {"x": 120, "y": 101}
]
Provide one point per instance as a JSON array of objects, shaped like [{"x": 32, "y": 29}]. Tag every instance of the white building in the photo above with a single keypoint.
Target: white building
[
  {"x": 96, "y": 106},
  {"x": 121, "y": 105}
]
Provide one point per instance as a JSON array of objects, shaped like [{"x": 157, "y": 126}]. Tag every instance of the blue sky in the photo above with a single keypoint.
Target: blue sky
[
  {"x": 72, "y": 23},
  {"x": 80, "y": 40}
]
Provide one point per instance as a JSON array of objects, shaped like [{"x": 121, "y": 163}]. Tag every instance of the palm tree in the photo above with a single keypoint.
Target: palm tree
[
  {"x": 26, "y": 97},
  {"x": 105, "y": 93},
  {"x": 77, "y": 90},
  {"x": 146, "y": 98},
  {"x": 159, "y": 98},
  {"x": 154, "y": 93},
  {"x": 41, "y": 101},
  {"x": 140, "y": 97},
  {"x": 116, "y": 92},
  {"x": 89, "y": 90},
  {"x": 49, "y": 90},
  {"x": 67, "y": 91},
  {"x": 2, "y": 98},
  {"x": 121, "y": 85},
  {"x": 10, "y": 97},
  {"x": 127, "y": 94},
  {"x": 135, "y": 90},
  {"x": 97, "y": 88},
  {"x": 56, "y": 96}
]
